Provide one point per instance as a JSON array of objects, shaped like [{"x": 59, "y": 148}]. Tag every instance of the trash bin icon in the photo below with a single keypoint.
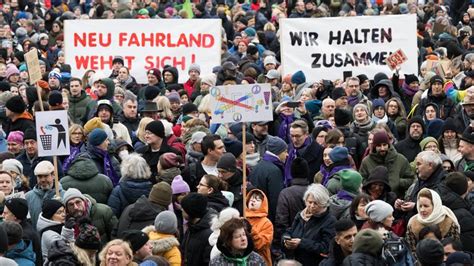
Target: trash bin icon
[{"x": 46, "y": 141}]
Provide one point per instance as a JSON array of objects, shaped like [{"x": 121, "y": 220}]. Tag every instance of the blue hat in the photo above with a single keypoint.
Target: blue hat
[
  {"x": 54, "y": 74},
  {"x": 250, "y": 32},
  {"x": 97, "y": 137},
  {"x": 298, "y": 78},
  {"x": 339, "y": 154},
  {"x": 313, "y": 106},
  {"x": 276, "y": 145},
  {"x": 378, "y": 102}
]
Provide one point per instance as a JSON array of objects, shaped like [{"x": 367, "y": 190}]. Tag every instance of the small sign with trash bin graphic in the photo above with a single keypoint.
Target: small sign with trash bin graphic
[{"x": 52, "y": 133}]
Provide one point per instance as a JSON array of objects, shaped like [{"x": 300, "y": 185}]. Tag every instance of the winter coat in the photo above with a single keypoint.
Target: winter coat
[
  {"x": 132, "y": 125},
  {"x": 139, "y": 215},
  {"x": 445, "y": 104},
  {"x": 357, "y": 259},
  {"x": 91, "y": 107},
  {"x": 313, "y": 154},
  {"x": 195, "y": 248},
  {"x": 128, "y": 192},
  {"x": 7, "y": 262},
  {"x": 22, "y": 253},
  {"x": 30, "y": 233},
  {"x": 400, "y": 174},
  {"x": 98, "y": 159},
  {"x": 315, "y": 235},
  {"x": 290, "y": 203},
  {"x": 164, "y": 245},
  {"x": 249, "y": 257},
  {"x": 22, "y": 123},
  {"x": 335, "y": 256},
  {"x": 52, "y": 231},
  {"x": 262, "y": 227},
  {"x": 269, "y": 178},
  {"x": 461, "y": 208},
  {"x": 353, "y": 143},
  {"x": 409, "y": 148},
  {"x": 35, "y": 198},
  {"x": 153, "y": 157},
  {"x": 84, "y": 175},
  {"x": 217, "y": 201},
  {"x": 340, "y": 207},
  {"x": 235, "y": 187},
  {"x": 77, "y": 107},
  {"x": 103, "y": 218}
]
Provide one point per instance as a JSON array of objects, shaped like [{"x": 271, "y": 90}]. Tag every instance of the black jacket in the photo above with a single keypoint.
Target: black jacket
[
  {"x": 192, "y": 174},
  {"x": 217, "y": 201},
  {"x": 409, "y": 148},
  {"x": 30, "y": 233},
  {"x": 153, "y": 157},
  {"x": 196, "y": 249},
  {"x": 313, "y": 154}
]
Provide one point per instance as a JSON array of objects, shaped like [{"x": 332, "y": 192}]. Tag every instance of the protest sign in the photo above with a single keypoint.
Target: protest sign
[
  {"x": 32, "y": 63},
  {"x": 241, "y": 103},
  {"x": 143, "y": 44},
  {"x": 396, "y": 59},
  {"x": 52, "y": 133},
  {"x": 325, "y": 48}
]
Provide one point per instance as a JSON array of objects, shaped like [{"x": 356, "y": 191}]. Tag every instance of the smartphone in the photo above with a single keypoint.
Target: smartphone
[
  {"x": 286, "y": 238},
  {"x": 346, "y": 75},
  {"x": 293, "y": 104}
]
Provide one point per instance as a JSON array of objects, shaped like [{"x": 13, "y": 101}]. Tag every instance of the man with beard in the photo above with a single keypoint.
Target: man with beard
[
  {"x": 54, "y": 80},
  {"x": 79, "y": 205},
  {"x": 129, "y": 117},
  {"x": 341, "y": 246},
  {"x": 410, "y": 146},
  {"x": 354, "y": 94},
  {"x": 400, "y": 174},
  {"x": 260, "y": 133}
]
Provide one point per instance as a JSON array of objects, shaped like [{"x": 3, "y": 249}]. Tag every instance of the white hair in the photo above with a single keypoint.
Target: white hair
[
  {"x": 430, "y": 157},
  {"x": 134, "y": 166},
  {"x": 319, "y": 193}
]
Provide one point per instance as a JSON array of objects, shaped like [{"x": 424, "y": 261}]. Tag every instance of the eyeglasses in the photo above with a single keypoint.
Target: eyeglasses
[{"x": 202, "y": 185}]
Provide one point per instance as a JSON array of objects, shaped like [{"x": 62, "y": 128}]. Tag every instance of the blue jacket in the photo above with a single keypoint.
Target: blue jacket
[
  {"x": 35, "y": 198},
  {"x": 126, "y": 193},
  {"x": 22, "y": 253}
]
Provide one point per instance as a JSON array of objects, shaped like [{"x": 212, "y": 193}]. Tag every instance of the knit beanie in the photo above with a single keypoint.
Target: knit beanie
[
  {"x": 337, "y": 93},
  {"x": 418, "y": 120},
  {"x": 233, "y": 146},
  {"x": 427, "y": 140},
  {"x": 377, "y": 103},
  {"x": 151, "y": 92},
  {"x": 227, "y": 162},
  {"x": 50, "y": 207},
  {"x": 457, "y": 182},
  {"x": 363, "y": 106},
  {"x": 189, "y": 108},
  {"x": 166, "y": 223},
  {"x": 378, "y": 210},
  {"x": 18, "y": 206},
  {"x": 380, "y": 137},
  {"x": 155, "y": 72},
  {"x": 11, "y": 70},
  {"x": 157, "y": 128},
  {"x": 12, "y": 165},
  {"x": 16, "y": 104},
  {"x": 339, "y": 154},
  {"x": 30, "y": 133},
  {"x": 136, "y": 238},
  {"x": 195, "y": 205},
  {"x": 430, "y": 252},
  {"x": 368, "y": 241},
  {"x": 449, "y": 124},
  {"x": 434, "y": 128},
  {"x": 97, "y": 137},
  {"x": 3, "y": 240},
  {"x": 194, "y": 67},
  {"x": 350, "y": 180},
  {"x": 72, "y": 193},
  {"x": 178, "y": 185},
  {"x": 411, "y": 78},
  {"x": 89, "y": 237},
  {"x": 93, "y": 124},
  {"x": 209, "y": 80},
  {"x": 15, "y": 136},
  {"x": 55, "y": 99},
  {"x": 342, "y": 117},
  {"x": 276, "y": 145},
  {"x": 161, "y": 194},
  {"x": 173, "y": 97},
  {"x": 299, "y": 168},
  {"x": 169, "y": 160},
  {"x": 298, "y": 78}
]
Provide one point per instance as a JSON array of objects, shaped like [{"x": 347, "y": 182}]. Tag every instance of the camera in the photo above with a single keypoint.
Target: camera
[{"x": 394, "y": 250}]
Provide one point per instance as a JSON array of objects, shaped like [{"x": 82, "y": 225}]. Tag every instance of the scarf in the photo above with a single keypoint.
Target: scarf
[
  {"x": 292, "y": 154},
  {"x": 237, "y": 261},
  {"x": 252, "y": 159},
  {"x": 108, "y": 167},
  {"x": 284, "y": 130},
  {"x": 363, "y": 128},
  {"x": 270, "y": 157},
  {"x": 439, "y": 212},
  {"x": 353, "y": 100},
  {"x": 377, "y": 120},
  {"x": 342, "y": 194},
  {"x": 409, "y": 91},
  {"x": 75, "y": 150},
  {"x": 329, "y": 171}
]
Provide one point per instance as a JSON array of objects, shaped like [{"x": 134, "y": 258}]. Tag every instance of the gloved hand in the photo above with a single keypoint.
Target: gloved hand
[{"x": 70, "y": 223}]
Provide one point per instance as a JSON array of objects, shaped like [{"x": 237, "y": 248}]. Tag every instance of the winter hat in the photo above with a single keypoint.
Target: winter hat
[
  {"x": 378, "y": 210},
  {"x": 55, "y": 99},
  {"x": 436, "y": 78},
  {"x": 136, "y": 238},
  {"x": 151, "y": 92},
  {"x": 362, "y": 78},
  {"x": 50, "y": 207},
  {"x": 434, "y": 128},
  {"x": 378, "y": 174},
  {"x": 30, "y": 133},
  {"x": 299, "y": 168},
  {"x": 418, "y": 120},
  {"x": 411, "y": 78},
  {"x": 54, "y": 74},
  {"x": 155, "y": 72},
  {"x": 378, "y": 102},
  {"x": 350, "y": 180},
  {"x": 195, "y": 67},
  {"x": 248, "y": 137},
  {"x": 379, "y": 76},
  {"x": 363, "y": 106},
  {"x": 250, "y": 32},
  {"x": 195, "y": 205},
  {"x": 368, "y": 241},
  {"x": 235, "y": 128},
  {"x": 298, "y": 78},
  {"x": 15, "y": 136},
  {"x": 189, "y": 108},
  {"x": 339, "y": 154},
  {"x": 18, "y": 206},
  {"x": 458, "y": 258},
  {"x": 3, "y": 240},
  {"x": 174, "y": 97},
  {"x": 427, "y": 140},
  {"x": 338, "y": 93},
  {"x": 449, "y": 124},
  {"x": 166, "y": 223},
  {"x": 209, "y": 80},
  {"x": 457, "y": 182},
  {"x": 72, "y": 193},
  {"x": 197, "y": 137},
  {"x": 276, "y": 145},
  {"x": 273, "y": 74},
  {"x": 227, "y": 162},
  {"x": 16, "y": 104},
  {"x": 157, "y": 128},
  {"x": 161, "y": 194},
  {"x": 97, "y": 137},
  {"x": 11, "y": 70},
  {"x": 269, "y": 60},
  {"x": 89, "y": 237},
  {"x": 233, "y": 146},
  {"x": 178, "y": 185},
  {"x": 342, "y": 117},
  {"x": 92, "y": 124},
  {"x": 44, "y": 168},
  {"x": 169, "y": 160},
  {"x": 430, "y": 252},
  {"x": 380, "y": 137},
  {"x": 12, "y": 165}
]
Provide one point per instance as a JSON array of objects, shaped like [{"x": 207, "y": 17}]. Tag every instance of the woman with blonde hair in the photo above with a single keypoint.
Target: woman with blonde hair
[
  {"x": 164, "y": 105},
  {"x": 77, "y": 137},
  {"x": 117, "y": 252},
  {"x": 141, "y": 131}
]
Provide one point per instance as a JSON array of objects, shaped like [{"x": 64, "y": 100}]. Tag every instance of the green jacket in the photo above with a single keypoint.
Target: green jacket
[
  {"x": 77, "y": 107},
  {"x": 91, "y": 107},
  {"x": 84, "y": 175},
  {"x": 103, "y": 218},
  {"x": 400, "y": 175}
]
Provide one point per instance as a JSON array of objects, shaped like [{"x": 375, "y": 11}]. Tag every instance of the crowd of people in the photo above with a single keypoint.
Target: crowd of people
[{"x": 362, "y": 171}]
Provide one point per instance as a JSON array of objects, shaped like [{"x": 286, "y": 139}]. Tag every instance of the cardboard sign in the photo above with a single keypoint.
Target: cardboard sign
[
  {"x": 52, "y": 133},
  {"x": 241, "y": 103},
  {"x": 143, "y": 44},
  {"x": 32, "y": 63},
  {"x": 396, "y": 59},
  {"x": 327, "y": 47}
]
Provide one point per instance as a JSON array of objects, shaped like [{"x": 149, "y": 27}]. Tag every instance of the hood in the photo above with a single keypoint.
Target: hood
[
  {"x": 144, "y": 210},
  {"x": 109, "y": 83},
  {"x": 22, "y": 250},
  {"x": 217, "y": 198},
  {"x": 134, "y": 189},
  {"x": 337, "y": 206},
  {"x": 374, "y": 92},
  {"x": 160, "y": 243},
  {"x": 25, "y": 115},
  {"x": 239, "y": 259},
  {"x": 379, "y": 174},
  {"x": 44, "y": 223},
  {"x": 83, "y": 169},
  {"x": 174, "y": 71},
  {"x": 263, "y": 211}
]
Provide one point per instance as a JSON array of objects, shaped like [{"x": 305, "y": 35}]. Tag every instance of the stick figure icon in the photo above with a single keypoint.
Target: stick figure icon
[{"x": 61, "y": 132}]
